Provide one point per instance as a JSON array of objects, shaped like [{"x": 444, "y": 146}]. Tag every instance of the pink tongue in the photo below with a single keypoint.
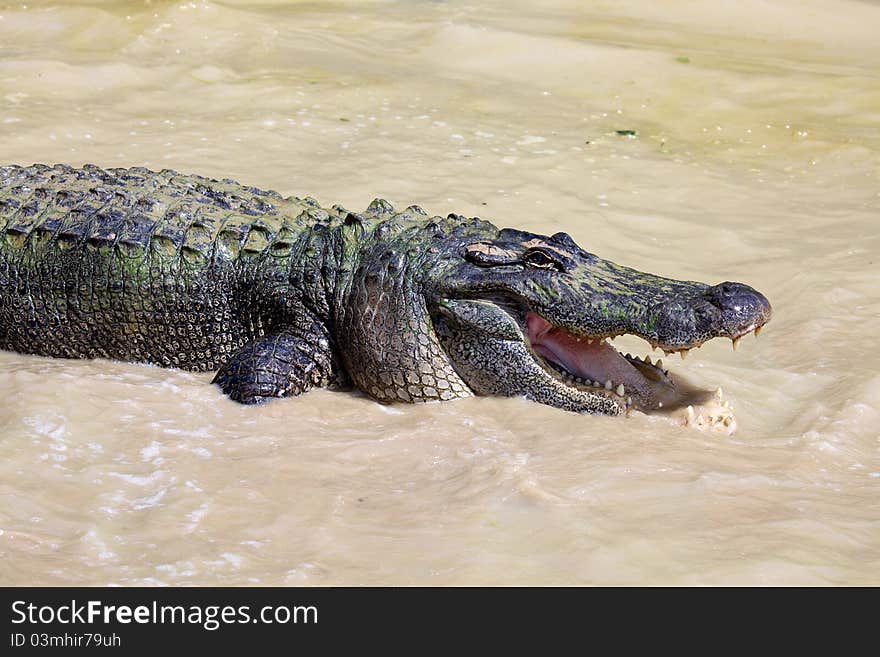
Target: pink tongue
[{"x": 598, "y": 361}]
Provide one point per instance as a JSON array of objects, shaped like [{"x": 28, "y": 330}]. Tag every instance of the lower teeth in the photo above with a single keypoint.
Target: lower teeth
[{"x": 608, "y": 385}]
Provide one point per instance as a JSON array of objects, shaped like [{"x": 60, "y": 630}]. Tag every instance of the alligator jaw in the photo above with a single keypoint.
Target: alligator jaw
[
  {"x": 502, "y": 346},
  {"x": 591, "y": 363},
  {"x": 683, "y": 351}
]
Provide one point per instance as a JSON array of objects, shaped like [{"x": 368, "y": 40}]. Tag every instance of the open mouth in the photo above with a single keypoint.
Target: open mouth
[
  {"x": 500, "y": 346},
  {"x": 593, "y": 365}
]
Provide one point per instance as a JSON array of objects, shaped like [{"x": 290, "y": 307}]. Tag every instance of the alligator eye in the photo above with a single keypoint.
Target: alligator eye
[{"x": 540, "y": 259}]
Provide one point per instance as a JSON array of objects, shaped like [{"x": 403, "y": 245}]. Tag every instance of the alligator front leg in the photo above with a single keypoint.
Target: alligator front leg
[{"x": 277, "y": 365}]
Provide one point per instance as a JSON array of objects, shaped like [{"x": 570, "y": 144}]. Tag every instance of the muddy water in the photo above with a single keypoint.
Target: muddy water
[{"x": 755, "y": 158}]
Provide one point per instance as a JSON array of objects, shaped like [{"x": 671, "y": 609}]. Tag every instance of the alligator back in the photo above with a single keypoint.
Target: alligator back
[{"x": 136, "y": 265}]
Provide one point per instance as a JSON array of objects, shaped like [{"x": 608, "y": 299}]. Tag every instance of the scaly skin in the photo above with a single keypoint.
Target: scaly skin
[{"x": 280, "y": 294}]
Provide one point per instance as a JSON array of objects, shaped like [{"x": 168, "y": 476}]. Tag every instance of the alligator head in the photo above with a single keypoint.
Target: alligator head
[
  {"x": 455, "y": 307},
  {"x": 521, "y": 314}
]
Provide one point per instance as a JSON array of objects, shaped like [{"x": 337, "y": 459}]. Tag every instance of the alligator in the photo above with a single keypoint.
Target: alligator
[{"x": 279, "y": 295}]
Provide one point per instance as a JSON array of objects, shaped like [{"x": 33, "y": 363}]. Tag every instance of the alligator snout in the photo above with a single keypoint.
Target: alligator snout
[
  {"x": 725, "y": 310},
  {"x": 729, "y": 296},
  {"x": 742, "y": 308}
]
